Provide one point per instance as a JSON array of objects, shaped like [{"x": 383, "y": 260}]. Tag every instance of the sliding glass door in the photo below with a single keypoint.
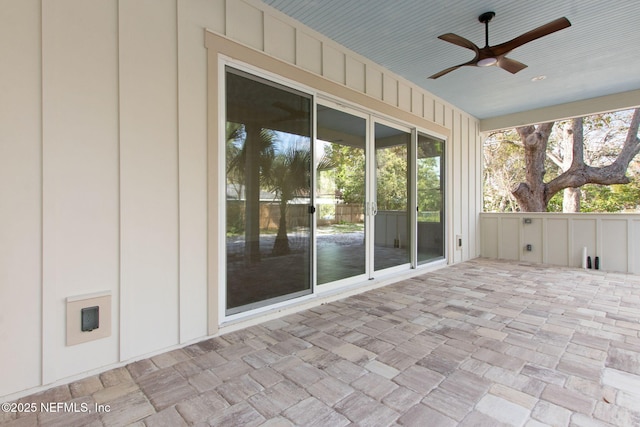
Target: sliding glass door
[
  {"x": 391, "y": 203},
  {"x": 430, "y": 191},
  {"x": 340, "y": 195},
  {"x": 362, "y": 221},
  {"x": 329, "y": 200},
  {"x": 364, "y": 218},
  {"x": 268, "y": 192}
]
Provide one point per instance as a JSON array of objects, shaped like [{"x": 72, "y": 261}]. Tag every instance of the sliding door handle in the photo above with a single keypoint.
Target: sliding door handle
[{"x": 371, "y": 208}]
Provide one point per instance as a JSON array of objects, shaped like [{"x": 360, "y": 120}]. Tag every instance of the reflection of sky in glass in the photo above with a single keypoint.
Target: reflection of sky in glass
[
  {"x": 287, "y": 141},
  {"x": 282, "y": 142}
]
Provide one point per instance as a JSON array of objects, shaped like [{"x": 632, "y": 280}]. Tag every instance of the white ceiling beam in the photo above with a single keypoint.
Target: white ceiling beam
[{"x": 585, "y": 107}]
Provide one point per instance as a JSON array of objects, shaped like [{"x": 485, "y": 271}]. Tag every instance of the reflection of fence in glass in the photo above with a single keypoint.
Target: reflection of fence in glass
[
  {"x": 340, "y": 213},
  {"x": 297, "y": 216}
]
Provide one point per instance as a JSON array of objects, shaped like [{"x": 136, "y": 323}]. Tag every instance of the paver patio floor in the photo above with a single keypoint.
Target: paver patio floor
[{"x": 481, "y": 343}]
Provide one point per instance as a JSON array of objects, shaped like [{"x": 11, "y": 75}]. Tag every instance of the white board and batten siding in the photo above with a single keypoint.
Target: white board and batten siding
[
  {"x": 559, "y": 239},
  {"x": 104, "y": 177}
]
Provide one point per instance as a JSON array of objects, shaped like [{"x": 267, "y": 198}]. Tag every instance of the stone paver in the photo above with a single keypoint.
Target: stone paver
[
  {"x": 503, "y": 410},
  {"x": 421, "y": 415},
  {"x": 484, "y": 342}
]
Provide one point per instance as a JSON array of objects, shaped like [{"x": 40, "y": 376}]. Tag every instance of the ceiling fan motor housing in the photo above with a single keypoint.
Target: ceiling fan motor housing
[{"x": 486, "y": 17}]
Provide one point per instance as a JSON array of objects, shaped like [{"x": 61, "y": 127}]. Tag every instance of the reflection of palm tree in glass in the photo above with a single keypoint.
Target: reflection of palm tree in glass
[
  {"x": 250, "y": 155},
  {"x": 254, "y": 161},
  {"x": 289, "y": 178}
]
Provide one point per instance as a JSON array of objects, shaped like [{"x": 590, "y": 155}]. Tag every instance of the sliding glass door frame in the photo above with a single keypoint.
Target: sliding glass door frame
[
  {"x": 375, "y": 204},
  {"x": 371, "y": 119},
  {"x": 370, "y": 205},
  {"x": 358, "y": 278},
  {"x": 226, "y": 312},
  {"x": 436, "y": 233},
  {"x": 413, "y": 197}
]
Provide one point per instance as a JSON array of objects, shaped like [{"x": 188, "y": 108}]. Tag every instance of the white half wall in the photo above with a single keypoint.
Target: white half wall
[{"x": 559, "y": 239}]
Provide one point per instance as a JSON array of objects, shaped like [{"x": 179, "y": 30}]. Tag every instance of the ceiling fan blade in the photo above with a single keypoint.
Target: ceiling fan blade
[
  {"x": 450, "y": 69},
  {"x": 443, "y": 72},
  {"x": 459, "y": 41},
  {"x": 544, "y": 30},
  {"x": 511, "y": 65}
]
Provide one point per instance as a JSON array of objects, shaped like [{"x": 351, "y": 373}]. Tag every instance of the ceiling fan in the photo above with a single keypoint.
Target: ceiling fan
[{"x": 496, "y": 55}]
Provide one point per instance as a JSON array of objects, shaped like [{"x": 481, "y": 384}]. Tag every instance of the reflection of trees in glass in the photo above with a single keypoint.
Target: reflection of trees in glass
[
  {"x": 234, "y": 137},
  {"x": 391, "y": 180},
  {"x": 290, "y": 177},
  {"x": 237, "y": 152},
  {"x": 348, "y": 171},
  {"x": 429, "y": 164},
  {"x": 284, "y": 169},
  {"x": 238, "y": 156},
  {"x": 249, "y": 155},
  {"x": 349, "y": 175},
  {"x": 429, "y": 199}
]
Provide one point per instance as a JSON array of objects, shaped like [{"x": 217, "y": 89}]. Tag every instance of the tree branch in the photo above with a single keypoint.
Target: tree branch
[
  {"x": 580, "y": 174},
  {"x": 631, "y": 145},
  {"x": 533, "y": 195}
]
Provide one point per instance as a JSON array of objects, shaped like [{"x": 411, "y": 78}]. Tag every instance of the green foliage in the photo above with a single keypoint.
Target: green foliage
[
  {"x": 326, "y": 211},
  {"x": 555, "y": 204},
  {"x": 391, "y": 180},
  {"x": 610, "y": 198},
  {"x": 347, "y": 176},
  {"x": 348, "y": 171},
  {"x": 429, "y": 195}
]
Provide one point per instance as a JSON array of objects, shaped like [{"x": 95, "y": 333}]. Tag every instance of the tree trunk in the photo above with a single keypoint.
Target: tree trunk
[
  {"x": 573, "y": 148},
  {"x": 281, "y": 245},
  {"x": 531, "y": 195},
  {"x": 571, "y": 200}
]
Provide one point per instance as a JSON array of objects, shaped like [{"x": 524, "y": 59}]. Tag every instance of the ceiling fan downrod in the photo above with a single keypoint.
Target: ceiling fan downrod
[{"x": 485, "y": 18}]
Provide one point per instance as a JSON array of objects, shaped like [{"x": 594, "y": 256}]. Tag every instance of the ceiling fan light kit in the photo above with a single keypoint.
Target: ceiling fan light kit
[
  {"x": 487, "y": 62},
  {"x": 496, "y": 55}
]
